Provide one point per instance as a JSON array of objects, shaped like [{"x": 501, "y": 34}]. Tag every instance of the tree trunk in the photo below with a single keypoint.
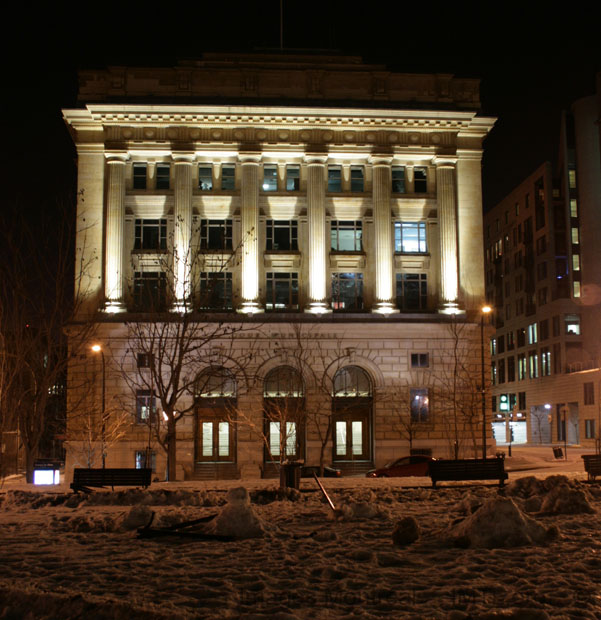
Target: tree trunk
[
  {"x": 171, "y": 451},
  {"x": 31, "y": 454}
]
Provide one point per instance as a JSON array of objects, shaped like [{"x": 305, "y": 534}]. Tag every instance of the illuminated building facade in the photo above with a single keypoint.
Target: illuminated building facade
[
  {"x": 542, "y": 274},
  {"x": 318, "y": 192}
]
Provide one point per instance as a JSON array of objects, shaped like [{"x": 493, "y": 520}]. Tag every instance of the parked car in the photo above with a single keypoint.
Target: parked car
[
  {"x": 416, "y": 465},
  {"x": 307, "y": 471}
]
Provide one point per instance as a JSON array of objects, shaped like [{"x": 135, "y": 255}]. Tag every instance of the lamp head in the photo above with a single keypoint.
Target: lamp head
[{"x": 96, "y": 348}]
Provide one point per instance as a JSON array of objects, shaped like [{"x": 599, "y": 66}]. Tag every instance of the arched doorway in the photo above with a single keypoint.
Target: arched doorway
[
  {"x": 215, "y": 434},
  {"x": 352, "y": 417},
  {"x": 284, "y": 424}
]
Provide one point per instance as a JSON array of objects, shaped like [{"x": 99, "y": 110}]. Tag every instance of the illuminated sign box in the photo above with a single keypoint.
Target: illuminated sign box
[{"x": 46, "y": 472}]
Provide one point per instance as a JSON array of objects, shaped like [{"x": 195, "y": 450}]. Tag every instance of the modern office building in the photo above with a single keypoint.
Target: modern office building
[
  {"x": 543, "y": 276},
  {"x": 316, "y": 224}
]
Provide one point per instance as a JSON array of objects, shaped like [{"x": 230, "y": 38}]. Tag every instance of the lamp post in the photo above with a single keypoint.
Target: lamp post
[
  {"x": 98, "y": 349},
  {"x": 483, "y": 312}
]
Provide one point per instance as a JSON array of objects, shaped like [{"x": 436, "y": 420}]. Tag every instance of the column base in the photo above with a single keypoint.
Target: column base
[
  {"x": 451, "y": 307},
  {"x": 114, "y": 306},
  {"x": 384, "y": 307},
  {"x": 181, "y": 307},
  {"x": 250, "y": 307},
  {"x": 318, "y": 307}
]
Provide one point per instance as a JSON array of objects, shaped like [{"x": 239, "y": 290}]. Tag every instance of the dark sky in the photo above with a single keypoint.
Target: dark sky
[{"x": 531, "y": 65}]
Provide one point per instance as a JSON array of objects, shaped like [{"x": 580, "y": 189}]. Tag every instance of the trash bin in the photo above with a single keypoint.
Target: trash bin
[
  {"x": 558, "y": 453},
  {"x": 290, "y": 474},
  {"x": 47, "y": 471}
]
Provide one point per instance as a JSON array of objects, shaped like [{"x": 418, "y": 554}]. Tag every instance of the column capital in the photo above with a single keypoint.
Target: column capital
[
  {"x": 316, "y": 159},
  {"x": 183, "y": 157},
  {"x": 380, "y": 160},
  {"x": 444, "y": 162},
  {"x": 116, "y": 157},
  {"x": 249, "y": 157}
]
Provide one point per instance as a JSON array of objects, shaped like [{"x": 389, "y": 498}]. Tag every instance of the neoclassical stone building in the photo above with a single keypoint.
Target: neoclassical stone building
[{"x": 327, "y": 212}]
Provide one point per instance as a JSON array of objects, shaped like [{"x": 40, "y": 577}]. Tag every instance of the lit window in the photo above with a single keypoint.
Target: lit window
[
  {"x": 347, "y": 291},
  {"x": 572, "y": 323},
  {"x": 346, "y": 236},
  {"x": 575, "y": 235},
  {"x": 420, "y": 404},
  {"x": 205, "y": 178},
  {"x": 521, "y": 366},
  {"x": 144, "y": 403},
  {"x": 292, "y": 178},
  {"x": 150, "y": 291},
  {"x": 142, "y": 455},
  {"x": 334, "y": 179},
  {"x": 216, "y": 234},
  {"x": 532, "y": 333},
  {"x": 572, "y": 178},
  {"x": 270, "y": 178},
  {"x": 150, "y": 235},
  {"x": 283, "y": 382},
  {"x": 281, "y": 235},
  {"x": 398, "y": 180},
  {"x": 573, "y": 207},
  {"x": 493, "y": 346},
  {"x": 412, "y": 291},
  {"x": 228, "y": 177},
  {"x": 163, "y": 171},
  {"x": 493, "y": 373},
  {"x": 410, "y": 237},
  {"x": 216, "y": 290},
  {"x": 420, "y": 360},
  {"x": 589, "y": 429},
  {"x": 281, "y": 291},
  {"x": 576, "y": 262},
  {"x": 420, "y": 180},
  {"x": 357, "y": 181},
  {"x": 576, "y": 288},
  {"x": 139, "y": 176},
  {"x": 532, "y": 365},
  {"x": 545, "y": 362}
]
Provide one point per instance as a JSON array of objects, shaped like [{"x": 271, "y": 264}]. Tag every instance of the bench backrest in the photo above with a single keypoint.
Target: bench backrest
[
  {"x": 494, "y": 467},
  {"x": 112, "y": 476}
]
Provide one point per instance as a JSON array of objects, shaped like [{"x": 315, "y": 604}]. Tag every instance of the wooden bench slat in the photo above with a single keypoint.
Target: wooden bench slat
[
  {"x": 83, "y": 478},
  {"x": 592, "y": 465},
  {"x": 468, "y": 469}
]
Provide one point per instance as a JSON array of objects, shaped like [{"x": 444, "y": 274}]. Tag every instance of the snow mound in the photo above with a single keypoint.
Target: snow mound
[
  {"x": 405, "y": 532},
  {"x": 565, "y": 500},
  {"x": 237, "y": 518},
  {"x": 498, "y": 523},
  {"x": 503, "y": 614},
  {"x": 468, "y": 505},
  {"x": 359, "y": 510},
  {"x": 138, "y": 516}
]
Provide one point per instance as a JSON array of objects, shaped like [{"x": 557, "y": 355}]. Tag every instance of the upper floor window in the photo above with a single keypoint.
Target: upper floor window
[
  {"x": 216, "y": 235},
  {"x": 334, "y": 179},
  {"x": 228, "y": 177},
  {"x": 410, "y": 237},
  {"x": 205, "y": 178},
  {"x": 215, "y": 382},
  {"x": 420, "y": 360},
  {"x": 398, "y": 180},
  {"x": 352, "y": 381},
  {"x": 144, "y": 360},
  {"x": 145, "y": 403},
  {"x": 420, "y": 404},
  {"x": 589, "y": 393},
  {"x": 281, "y": 235},
  {"x": 281, "y": 291},
  {"x": 216, "y": 290},
  {"x": 150, "y": 291},
  {"x": 270, "y": 178},
  {"x": 420, "y": 180},
  {"x": 163, "y": 172},
  {"x": 140, "y": 176},
  {"x": 150, "y": 235},
  {"x": 532, "y": 333},
  {"x": 412, "y": 291},
  {"x": 572, "y": 323},
  {"x": 357, "y": 181},
  {"x": 347, "y": 291},
  {"x": 346, "y": 236},
  {"x": 572, "y": 178},
  {"x": 292, "y": 178}
]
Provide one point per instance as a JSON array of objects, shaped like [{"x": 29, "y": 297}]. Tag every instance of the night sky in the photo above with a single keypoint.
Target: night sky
[{"x": 531, "y": 65}]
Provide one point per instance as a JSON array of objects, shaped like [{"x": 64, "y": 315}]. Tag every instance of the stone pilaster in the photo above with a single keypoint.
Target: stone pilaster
[
  {"x": 316, "y": 224},
  {"x": 249, "y": 198},
  {"x": 382, "y": 181},
  {"x": 182, "y": 231},
  {"x": 115, "y": 211},
  {"x": 446, "y": 194}
]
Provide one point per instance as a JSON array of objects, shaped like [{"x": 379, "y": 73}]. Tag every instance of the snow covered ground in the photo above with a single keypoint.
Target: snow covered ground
[{"x": 65, "y": 556}]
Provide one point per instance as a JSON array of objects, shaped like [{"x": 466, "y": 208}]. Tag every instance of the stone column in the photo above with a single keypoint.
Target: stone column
[
  {"x": 382, "y": 181},
  {"x": 446, "y": 194},
  {"x": 249, "y": 198},
  {"x": 182, "y": 232},
  {"x": 115, "y": 211},
  {"x": 316, "y": 225}
]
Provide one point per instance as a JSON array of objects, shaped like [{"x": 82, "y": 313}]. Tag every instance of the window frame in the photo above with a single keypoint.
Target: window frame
[
  {"x": 344, "y": 226},
  {"x": 404, "y": 237}
]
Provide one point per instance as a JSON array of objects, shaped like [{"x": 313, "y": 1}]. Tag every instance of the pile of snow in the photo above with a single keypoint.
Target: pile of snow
[
  {"x": 237, "y": 518},
  {"x": 405, "y": 532},
  {"x": 564, "y": 500},
  {"x": 499, "y": 523}
]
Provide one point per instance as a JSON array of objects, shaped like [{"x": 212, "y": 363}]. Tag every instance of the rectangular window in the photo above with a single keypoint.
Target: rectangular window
[
  {"x": 576, "y": 287},
  {"x": 281, "y": 291},
  {"x": 572, "y": 323},
  {"x": 163, "y": 172},
  {"x": 420, "y": 360},
  {"x": 205, "y": 178},
  {"x": 510, "y": 369},
  {"x": 144, "y": 360},
  {"x": 140, "y": 176},
  {"x": 542, "y": 296},
  {"x": 576, "y": 262},
  {"x": 281, "y": 235},
  {"x": 545, "y": 362},
  {"x": 572, "y": 178},
  {"x": 532, "y": 333},
  {"x": 347, "y": 291},
  {"x": 216, "y": 290},
  {"x": 510, "y": 341},
  {"x": 410, "y": 237},
  {"x": 144, "y": 403},
  {"x": 292, "y": 178},
  {"x": 533, "y": 365},
  {"x": 522, "y": 400},
  {"x": 493, "y": 346},
  {"x": 521, "y": 366},
  {"x": 521, "y": 337},
  {"x": 420, "y": 405},
  {"x": 228, "y": 178},
  {"x": 270, "y": 178},
  {"x": 420, "y": 180},
  {"x": 398, "y": 180},
  {"x": 589, "y": 429},
  {"x": 556, "y": 326},
  {"x": 412, "y": 291},
  {"x": 501, "y": 344},
  {"x": 557, "y": 358},
  {"x": 150, "y": 235},
  {"x": 589, "y": 393},
  {"x": 150, "y": 291},
  {"x": 501, "y": 371},
  {"x": 541, "y": 271},
  {"x": 216, "y": 235},
  {"x": 575, "y": 235},
  {"x": 357, "y": 181},
  {"x": 346, "y": 236},
  {"x": 573, "y": 207},
  {"x": 493, "y": 373},
  {"x": 334, "y": 179},
  {"x": 544, "y": 329},
  {"x": 142, "y": 455},
  {"x": 541, "y": 245}
]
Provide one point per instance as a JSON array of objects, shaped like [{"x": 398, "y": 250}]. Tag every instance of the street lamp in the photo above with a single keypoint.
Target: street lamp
[
  {"x": 98, "y": 349},
  {"x": 483, "y": 312}
]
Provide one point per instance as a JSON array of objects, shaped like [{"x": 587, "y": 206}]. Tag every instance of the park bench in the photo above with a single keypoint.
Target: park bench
[
  {"x": 83, "y": 478},
  {"x": 592, "y": 465},
  {"x": 468, "y": 469}
]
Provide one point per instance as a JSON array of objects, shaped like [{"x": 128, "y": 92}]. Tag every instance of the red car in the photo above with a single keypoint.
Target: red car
[{"x": 403, "y": 467}]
